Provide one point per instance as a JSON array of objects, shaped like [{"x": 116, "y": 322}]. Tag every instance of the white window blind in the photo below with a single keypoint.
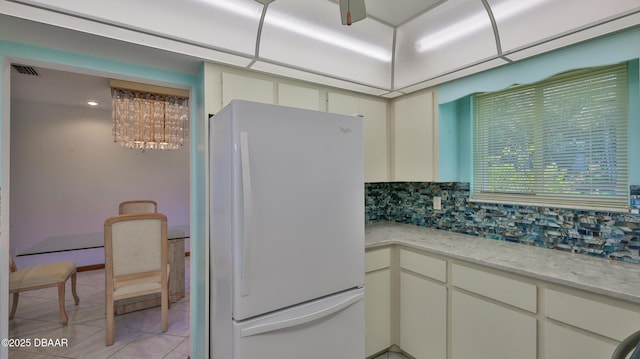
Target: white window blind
[{"x": 560, "y": 142}]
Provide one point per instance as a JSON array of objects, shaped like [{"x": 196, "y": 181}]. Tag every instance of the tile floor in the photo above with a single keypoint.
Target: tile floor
[
  {"x": 391, "y": 355},
  {"x": 137, "y": 334}
]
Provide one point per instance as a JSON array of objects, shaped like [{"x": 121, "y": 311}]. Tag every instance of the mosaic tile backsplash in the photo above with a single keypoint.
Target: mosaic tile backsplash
[{"x": 603, "y": 234}]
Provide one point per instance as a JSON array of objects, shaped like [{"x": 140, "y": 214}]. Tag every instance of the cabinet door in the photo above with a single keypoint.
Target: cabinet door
[
  {"x": 375, "y": 131},
  {"x": 416, "y": 142},
  {"x": 423, "y": 317},
  {"x": 246, "y": 88},
  {"x": 298, "y": 96},
  {"x": 482, "y": 329},
  {"x": 377, "y": 311},
  {"x": 562, "y": 342}
]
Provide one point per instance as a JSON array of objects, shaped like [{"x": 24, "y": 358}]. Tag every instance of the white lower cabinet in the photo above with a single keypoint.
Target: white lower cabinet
[
  {"x": 604, "y": 316},
  {"x": 423, "y": 317},
  {"x": 423, "y": 305},
  {"x": 564, "y": 342},
  {"x": 377, "y": 311},
  {"x": 585, "y": 326},
  {"x": 486, "y": 330},
  {"x": 436, "y": 307},
  {"x": 493, "y": 315},
  {"x": 377, "y": 300}
]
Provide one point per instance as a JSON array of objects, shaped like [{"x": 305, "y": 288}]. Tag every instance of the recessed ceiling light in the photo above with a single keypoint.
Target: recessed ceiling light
[{"x": 92, "y": 103}]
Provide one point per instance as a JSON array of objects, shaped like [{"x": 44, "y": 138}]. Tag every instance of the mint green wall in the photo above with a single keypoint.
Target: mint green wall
[
  {"x": 623, "y": 46},
  {"x": 455, "y": 105},
  {"x": 455, "y": 142},
  {"x": 18, "y": 52},
  {"x": 4, "y": 238},
  {"x": 448, "y": 129},
  {"x": 199, "y": 246}
]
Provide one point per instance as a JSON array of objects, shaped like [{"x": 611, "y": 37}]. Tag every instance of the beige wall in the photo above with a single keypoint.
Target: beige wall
[{"x": 68, "y": 176}]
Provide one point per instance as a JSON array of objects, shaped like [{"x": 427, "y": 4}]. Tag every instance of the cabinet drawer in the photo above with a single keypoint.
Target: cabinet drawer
[
  {"x": 560, "y": 342},
  {"x": 510, "y": 291},
  {"x": 595, "y": 316},
  {"x": 377, "y": 259},
  {"x": 423, "y": 264}
]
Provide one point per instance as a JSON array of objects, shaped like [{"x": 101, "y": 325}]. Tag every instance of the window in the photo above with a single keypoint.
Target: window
[{"x": 560, "y": 142}]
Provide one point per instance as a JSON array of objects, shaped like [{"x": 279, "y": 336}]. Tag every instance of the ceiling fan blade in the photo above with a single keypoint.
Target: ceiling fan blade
[{"x": 354, "y": 8}]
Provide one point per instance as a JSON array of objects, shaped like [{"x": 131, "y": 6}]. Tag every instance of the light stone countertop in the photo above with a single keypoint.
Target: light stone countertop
[{"x": 615, "y": 279}]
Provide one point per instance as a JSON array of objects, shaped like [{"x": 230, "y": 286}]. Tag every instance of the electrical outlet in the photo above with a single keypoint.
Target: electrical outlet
[{"x": 437, "y": 203}]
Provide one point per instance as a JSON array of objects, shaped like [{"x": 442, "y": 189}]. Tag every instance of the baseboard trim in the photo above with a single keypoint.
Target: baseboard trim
[{"x": 90, "y": 267}]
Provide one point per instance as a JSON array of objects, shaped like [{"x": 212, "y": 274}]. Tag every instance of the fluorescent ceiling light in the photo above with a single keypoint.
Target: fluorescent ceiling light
[
  {"x": 319, "y": 33},
  {"x": 250, "y": 10},
  {"x": 304, "y": 28},
  {"x": 474, "y": 23}
]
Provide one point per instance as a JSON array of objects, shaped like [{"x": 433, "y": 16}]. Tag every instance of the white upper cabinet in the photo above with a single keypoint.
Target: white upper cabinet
[
  {"x": 375, "y": 131},
  {"x": 298, "y": 96},
  {"x": 238, "y": 87},
  {"x": 415, "y": 138}
]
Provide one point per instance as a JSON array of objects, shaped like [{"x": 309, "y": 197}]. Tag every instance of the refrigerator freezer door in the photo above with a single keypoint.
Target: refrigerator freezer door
[
  {"x": 298, "y": 195},
  {"x": 330, "y": 327}
]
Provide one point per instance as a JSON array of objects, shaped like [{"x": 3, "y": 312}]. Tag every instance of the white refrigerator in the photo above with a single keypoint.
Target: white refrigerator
[{"x": 286, "y": 234}]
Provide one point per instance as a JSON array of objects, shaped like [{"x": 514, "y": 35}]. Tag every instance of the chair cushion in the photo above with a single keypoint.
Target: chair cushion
[
  {"x": 40, "y": 275},
  {"x": 137, "y": 287}
]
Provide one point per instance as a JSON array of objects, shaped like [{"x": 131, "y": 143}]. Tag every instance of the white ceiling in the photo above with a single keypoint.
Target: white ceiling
[
  {"x": 60, "y": 88},
  {"x": 397, "y": 12},
  {"x": 403, "y": 45}
]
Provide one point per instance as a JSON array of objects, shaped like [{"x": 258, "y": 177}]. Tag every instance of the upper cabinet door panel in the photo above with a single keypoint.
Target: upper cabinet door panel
[
  {"x": 308, "y": 34},
  {"x": 231, "y": 25},
  {"x": 298, "y": 96},
  {"x": 415, "y": 129},
  {"x": 453, "y": 35},
  {"x": 238, "y": 87},
  {"x": 524, "y": 23}
]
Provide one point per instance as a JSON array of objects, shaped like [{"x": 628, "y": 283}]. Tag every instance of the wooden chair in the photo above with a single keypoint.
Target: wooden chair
[
  {"x": 136, "y": 261},
  {"x": 43, "y": 276},
  {"x": 138, "y": 206}
]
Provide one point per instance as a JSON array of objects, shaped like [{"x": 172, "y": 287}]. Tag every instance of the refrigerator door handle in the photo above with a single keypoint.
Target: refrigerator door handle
[
  {"x": 247, "y": 214},
  {"x": 303, "y": 319}
]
